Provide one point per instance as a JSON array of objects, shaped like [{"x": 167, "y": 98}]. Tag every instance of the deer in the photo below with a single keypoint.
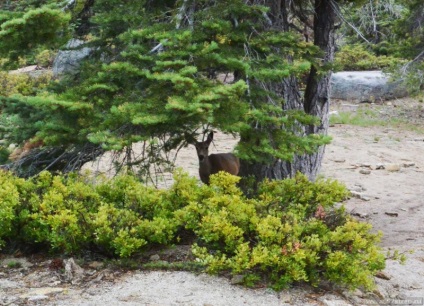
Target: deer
[{"x": 211, "y": 164}]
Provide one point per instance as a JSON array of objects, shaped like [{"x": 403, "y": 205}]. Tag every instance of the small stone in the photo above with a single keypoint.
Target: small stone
[
  {"x": 37, "y": 298},
  {"x": 378, "y": 293},
  {"x": 95, "y": 265},
  {"x": 365, "y": 198},
  {"x": 355, "y": 194},
  {"x": 360, "y": 196},
  {"x": 379, "y": 166},
  {"x": 41, "y": 293},
  {"x": 360, "y": 187},
  {"x": 285, "y": 297},
  {"x": 408, "y": 164},
  {"x": 155, "y": 257},
  {"x": 392, "y": 167},
  {"x": 360, "y": 215},
  {"x": 392, "y": 214},
  {"x": 339, "y": 160},
  {"x": 358, "y": 293},
  {"x": 237, "y": 279},
  {"x": 365, "y": 171},
  {"x": 383, "y": 275},
  {"x": 366, "y": 165},
  {"x": 401, "y": 296}
]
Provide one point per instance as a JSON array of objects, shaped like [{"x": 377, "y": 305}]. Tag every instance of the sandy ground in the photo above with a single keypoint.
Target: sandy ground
[{"x": 383, "y": 167}]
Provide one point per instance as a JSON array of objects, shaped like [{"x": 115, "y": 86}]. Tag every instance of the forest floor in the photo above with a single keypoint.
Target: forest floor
[{"x": 377, "y": 151}]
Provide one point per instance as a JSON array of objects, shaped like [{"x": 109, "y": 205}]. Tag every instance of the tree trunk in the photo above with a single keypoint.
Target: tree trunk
[{"x": 315, "y": 101}]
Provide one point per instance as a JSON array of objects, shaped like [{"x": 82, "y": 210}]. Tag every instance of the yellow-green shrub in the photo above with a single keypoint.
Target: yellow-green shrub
[
  {"x": 45, "y": 58},
  {"x": 21, "y": 83},
  {"x": 9, "y": 199},
  {"x": 356, "y": 57},
  {"x": 291, "y": 231}
]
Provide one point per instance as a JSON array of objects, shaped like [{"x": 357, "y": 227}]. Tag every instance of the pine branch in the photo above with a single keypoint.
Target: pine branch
[
  {"x": 336, "y": 9},
  {"x": 179, "y": 19},
  {"x": 58, "y": 159},
  {"x": 405, "y": 68}
]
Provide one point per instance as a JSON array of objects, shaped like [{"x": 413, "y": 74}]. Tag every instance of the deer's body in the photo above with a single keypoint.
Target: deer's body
[{"x": 211, "y": 164}]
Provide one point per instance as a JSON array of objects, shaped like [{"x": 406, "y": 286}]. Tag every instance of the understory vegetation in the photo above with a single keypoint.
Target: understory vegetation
[
  {"x": 357, "y": 58},
  {"x": 291, "y": 231}
]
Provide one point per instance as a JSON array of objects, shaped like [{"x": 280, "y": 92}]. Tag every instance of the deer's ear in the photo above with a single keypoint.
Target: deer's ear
[{"x": 210, "y": 137}]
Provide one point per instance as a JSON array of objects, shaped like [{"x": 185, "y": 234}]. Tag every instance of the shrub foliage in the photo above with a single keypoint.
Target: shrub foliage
[
  {"x": 291, "y": 231},
  {"x": 357, "y": 58}
]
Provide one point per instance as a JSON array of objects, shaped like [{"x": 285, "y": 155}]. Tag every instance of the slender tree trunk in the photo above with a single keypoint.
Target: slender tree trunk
[{"x": 315, "y": 100}]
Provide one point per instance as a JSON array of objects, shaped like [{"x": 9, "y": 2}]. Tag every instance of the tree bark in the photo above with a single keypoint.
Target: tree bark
[{"x": 315, "y": 101}]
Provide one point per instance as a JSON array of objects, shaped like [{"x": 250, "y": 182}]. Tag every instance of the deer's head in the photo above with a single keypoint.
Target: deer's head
[{"x": 202, "y": 147}]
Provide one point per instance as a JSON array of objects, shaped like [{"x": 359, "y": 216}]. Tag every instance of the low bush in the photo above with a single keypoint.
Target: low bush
[
  {"x": 21, "y": 83},
  {"x": 291, "y": 231},
  {"x": 357, "y": 58},
  {"x": 45, "y": 58}
]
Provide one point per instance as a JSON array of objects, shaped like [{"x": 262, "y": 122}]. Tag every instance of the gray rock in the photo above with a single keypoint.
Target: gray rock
[
  {"x": 365, "y": 86},
  {"x": 18, "y": 262},
  {"x": 73, "y": 272},
  {"x": 7, "y": 284},
  {"x": 69, "y": 60}
]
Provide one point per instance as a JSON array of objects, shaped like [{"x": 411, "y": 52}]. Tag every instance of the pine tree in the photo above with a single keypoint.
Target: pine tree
[{"x": 157, "y": 73}]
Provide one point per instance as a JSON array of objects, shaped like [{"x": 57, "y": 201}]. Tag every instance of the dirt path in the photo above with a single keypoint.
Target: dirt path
[
  {"x": 384, "y": 167},
  {"x": 391, "y": 196}
]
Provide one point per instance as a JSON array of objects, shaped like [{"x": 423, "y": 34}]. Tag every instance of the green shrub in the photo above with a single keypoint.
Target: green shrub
[
  {"x": 291, "y": 231},
  {"x": 356, "y": 57},
  {"x": 9, "y": 200},
  {"x": 45, "y": 58},
  {"x": 21, "y": 83}
]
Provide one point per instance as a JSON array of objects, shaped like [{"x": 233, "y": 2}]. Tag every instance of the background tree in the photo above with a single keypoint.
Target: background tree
[
  {"x": 390, "y": 28},
  {"x": 410, "y": 44}
]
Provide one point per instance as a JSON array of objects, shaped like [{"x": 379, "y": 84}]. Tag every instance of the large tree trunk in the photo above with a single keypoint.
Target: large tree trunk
[{"x": 315, "y": 100}]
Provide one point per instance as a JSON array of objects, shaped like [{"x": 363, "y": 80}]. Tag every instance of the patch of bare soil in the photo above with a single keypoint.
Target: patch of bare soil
[{"x": 382, "y": 166}]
